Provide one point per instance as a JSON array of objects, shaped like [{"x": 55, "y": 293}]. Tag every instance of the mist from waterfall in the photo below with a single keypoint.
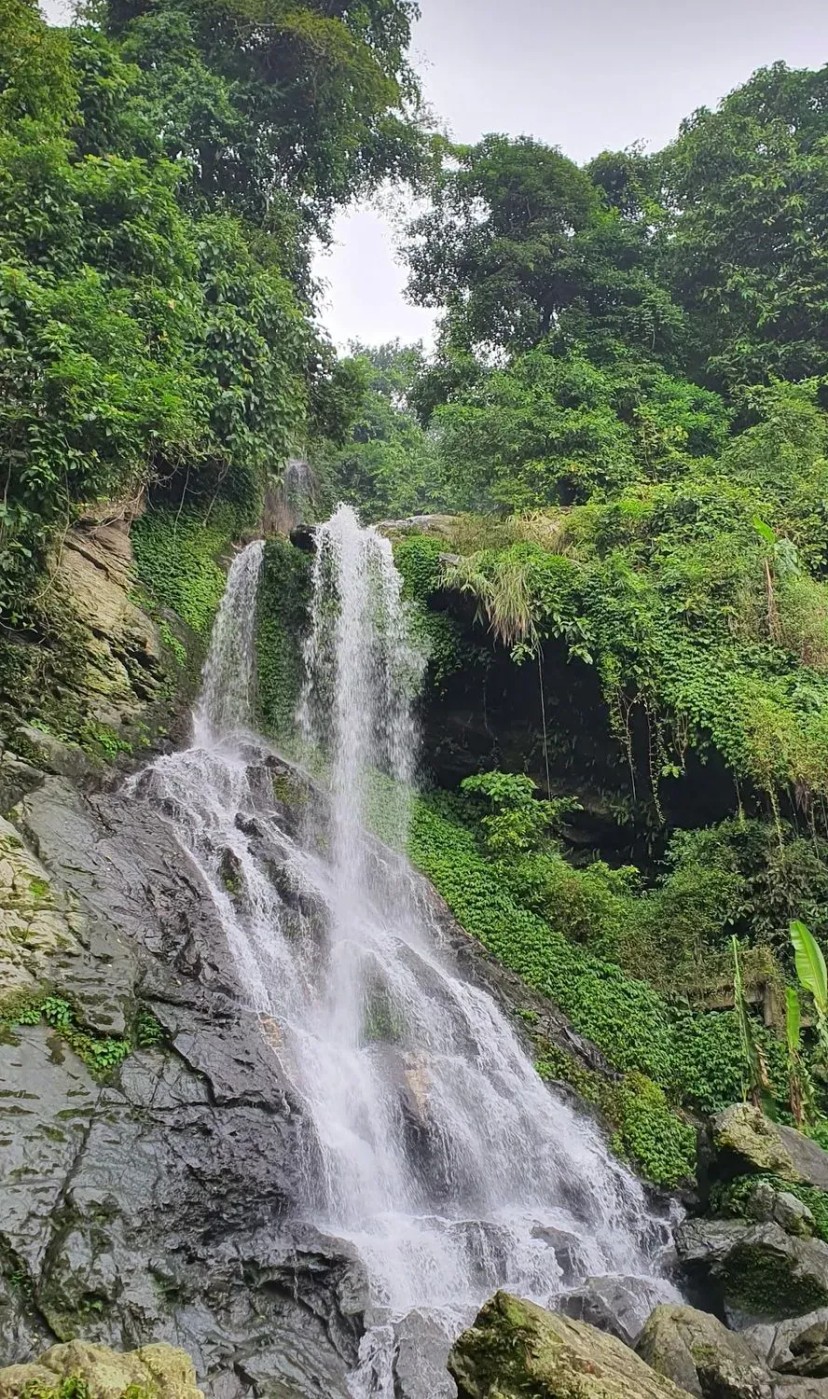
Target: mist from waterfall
[{"x": 437, "y": 1151}]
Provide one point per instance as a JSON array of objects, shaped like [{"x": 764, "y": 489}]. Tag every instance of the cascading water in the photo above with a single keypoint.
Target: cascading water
[{"x": 438, "y": 1152}]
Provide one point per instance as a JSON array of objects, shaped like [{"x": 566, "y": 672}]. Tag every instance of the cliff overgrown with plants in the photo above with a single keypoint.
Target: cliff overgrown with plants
[
  {"x": 625, "y": 594},
  {"x": 164, "y": 168},
  {"x": 623, "y": 429}
]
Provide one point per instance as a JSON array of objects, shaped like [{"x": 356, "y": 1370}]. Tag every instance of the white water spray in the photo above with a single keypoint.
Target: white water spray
[{"x": 438, "y": 1151}]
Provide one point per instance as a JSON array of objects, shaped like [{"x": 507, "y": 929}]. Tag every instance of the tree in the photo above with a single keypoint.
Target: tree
[
  {"x": 554, "y": 429},
  {"x": 315, "y": 99},
  {"x": 521, "y": 244},
  {"x": 388, "y": 466},
  {"x": 155, "y": 210},
  {"x": 748, "y": 252}
]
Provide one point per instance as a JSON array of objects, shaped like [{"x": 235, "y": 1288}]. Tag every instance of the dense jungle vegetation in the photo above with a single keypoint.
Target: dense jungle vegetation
[
  {"x": 164, "y": 170},
  {"x": 626, "y": 420},
  {"x": 624, "y": 429}
]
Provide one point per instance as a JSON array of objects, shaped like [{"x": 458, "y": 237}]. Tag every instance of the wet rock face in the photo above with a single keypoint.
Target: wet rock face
[
  {"x": 618, "y": 1305},
  {"x": 153, "y": 1207}
]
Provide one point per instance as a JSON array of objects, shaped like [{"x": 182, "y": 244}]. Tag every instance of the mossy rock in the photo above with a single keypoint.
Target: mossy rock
[
  {"x": 153, "y": 1372},
  {"x": 759, "y": 1271},
  {"x": 742, "y": 1141},
  {"x": 749, "y": 1197},
  {"x": 699, "y": 1354},
  {"x": 516, "y": 1350},
  {"x": 37, "y": 927}
]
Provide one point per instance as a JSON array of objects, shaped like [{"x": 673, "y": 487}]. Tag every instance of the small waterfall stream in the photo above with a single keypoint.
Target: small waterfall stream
[{"x": 439, "y": 1154}]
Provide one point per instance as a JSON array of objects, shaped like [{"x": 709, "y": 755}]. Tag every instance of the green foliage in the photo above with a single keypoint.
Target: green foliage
[
  {"x": 695, "y": 1058},
  {"x": 448, "y": 648},
  {"x": 690, "y": 617},
  {"x": 810, "y": 965},
  {"x": 101, "y": 1053},
  {"x": 520, "y": 244},
  {"x": 811, "y": 971},
  {"x": 72, "y": 1387},
  {"x": 635, "y": 349},
  {"x": 755, "y": 1077},
  {"x": 519, "y": 823},
  {"x": 265, "y": 96},
  {"x": 388, "y": 466},
  {"x": 161, "y": 176},
  {"x": 552, "y": 429},
  {"x": 148, "y": 1033},
  {"x": 746, "y": 187},
  {"x": 646, "y": 1132},
  {"x": 284, "y": 592},
  {"x": 177, "y": 554}
]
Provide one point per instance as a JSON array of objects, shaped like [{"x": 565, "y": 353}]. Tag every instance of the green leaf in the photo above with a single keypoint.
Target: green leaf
[
  {"x": 793, "y": 1020},
  {"x": 810, "y": 964},
  {"x": 764, "y": 531}
]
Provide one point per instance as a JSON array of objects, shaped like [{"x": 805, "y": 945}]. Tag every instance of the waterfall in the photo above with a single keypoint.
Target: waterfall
[{"x": 438, "y": 1152}]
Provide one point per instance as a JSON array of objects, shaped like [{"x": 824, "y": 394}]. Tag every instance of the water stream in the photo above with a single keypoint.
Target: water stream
[{"x": 439, "y": 1154}]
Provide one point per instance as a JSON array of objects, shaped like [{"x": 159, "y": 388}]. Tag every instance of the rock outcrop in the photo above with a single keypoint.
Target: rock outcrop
[
  {"x": 701, "y": 1356},
  {"x": 151, "y": 1206},
  {"x": 516, "y": 1350},
  {"x": 123, "y": 660},
  {"x": 742, "y": 1141},
  {"x": 756, "y": 1271},
  {"x": 795, "y": 1347},
  {"x": 156, "y": 1371},
  {"x": 768, "y": 1205},
  {"x": 37, "y": 928}
]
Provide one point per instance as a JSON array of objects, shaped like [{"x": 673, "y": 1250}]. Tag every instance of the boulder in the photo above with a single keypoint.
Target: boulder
[
  {"x": 568, "y": 1250},
  {"x": 516, "y": 1350},
  {"x": 797, "y": 1387},
  {"x": 160, "y": 1371},
  {"x": 798, "y": 1346},
  {"x": 758, "y": 1271},
  {"x": 699, "y": 1354},
  {"x": 615, "y": 1304},
  {"x": 742, "y": 1141},
  {"x": 770, "y": 1206}
]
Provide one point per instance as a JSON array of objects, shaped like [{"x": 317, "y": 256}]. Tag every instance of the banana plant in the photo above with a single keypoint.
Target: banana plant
[
  {"x": 813, "y": 977},
  {"x": 800, "y": 1086},
  {"x": 756, "y": 1077}
]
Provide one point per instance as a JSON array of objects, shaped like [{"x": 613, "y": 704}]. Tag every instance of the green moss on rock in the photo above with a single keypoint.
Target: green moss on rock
[
  {"x": 516, "y": 1350},
  {"x": 80, "y": 1370},
  {"x": 763, "y": 1281},
  {"x": 284, "y": 594}
]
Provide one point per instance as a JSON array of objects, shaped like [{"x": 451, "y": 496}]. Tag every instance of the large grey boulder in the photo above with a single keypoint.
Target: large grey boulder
[
  {"x": 615, "y": 1304},
  {"x": 798, "y": 1346},
  {"x": 701, "y": 1356},
  {"x": 759, "y": 1271}
]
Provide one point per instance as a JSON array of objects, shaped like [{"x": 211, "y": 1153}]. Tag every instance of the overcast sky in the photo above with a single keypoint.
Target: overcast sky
[{"x": 581, "y": 74}]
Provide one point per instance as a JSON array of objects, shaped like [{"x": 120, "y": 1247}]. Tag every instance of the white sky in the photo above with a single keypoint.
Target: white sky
[{"x": 581, "y": 74}]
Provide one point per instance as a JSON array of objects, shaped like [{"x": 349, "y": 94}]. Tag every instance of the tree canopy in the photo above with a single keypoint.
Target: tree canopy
[{"x": 162, "y": 169}]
